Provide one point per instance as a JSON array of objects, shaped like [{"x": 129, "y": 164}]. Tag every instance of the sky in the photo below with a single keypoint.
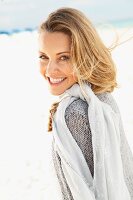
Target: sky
[{"x": 20, "y": 14}]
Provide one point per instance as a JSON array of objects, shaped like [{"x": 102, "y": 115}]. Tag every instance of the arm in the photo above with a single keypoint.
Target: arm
[
  {"x": 76, "y": 117},
  {"x": 65, "y": 190}
]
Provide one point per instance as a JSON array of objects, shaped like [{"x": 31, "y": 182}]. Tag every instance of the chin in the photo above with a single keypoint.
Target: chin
[
  {"x": 55, "y": 93},
  {"x": 60, "y": 91}
]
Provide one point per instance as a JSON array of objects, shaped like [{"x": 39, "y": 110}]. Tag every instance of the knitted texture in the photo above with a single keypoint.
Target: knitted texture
[{"x": 76, "y": 117}]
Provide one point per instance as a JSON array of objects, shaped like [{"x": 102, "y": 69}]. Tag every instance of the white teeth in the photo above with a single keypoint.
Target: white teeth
[{"x": 56, "y": 80}]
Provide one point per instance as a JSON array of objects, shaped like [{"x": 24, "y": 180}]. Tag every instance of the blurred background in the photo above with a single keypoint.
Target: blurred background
[
  {"x": 26, "y": 171},
  {"x": 21, "y": 14}
]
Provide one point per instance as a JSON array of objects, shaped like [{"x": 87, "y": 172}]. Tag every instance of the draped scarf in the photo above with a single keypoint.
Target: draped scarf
[{"x": 108, "y": 182}]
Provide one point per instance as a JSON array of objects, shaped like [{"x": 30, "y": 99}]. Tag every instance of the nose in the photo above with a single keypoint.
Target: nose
[{"x": 51, "y": 68}]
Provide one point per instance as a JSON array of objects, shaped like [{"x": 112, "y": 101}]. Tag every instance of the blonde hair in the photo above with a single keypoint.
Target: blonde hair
[{"x": 91, "y": 59}]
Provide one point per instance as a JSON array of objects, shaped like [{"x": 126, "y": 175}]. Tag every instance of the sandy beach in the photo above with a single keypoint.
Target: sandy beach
[{"x": 26, "y": 171}]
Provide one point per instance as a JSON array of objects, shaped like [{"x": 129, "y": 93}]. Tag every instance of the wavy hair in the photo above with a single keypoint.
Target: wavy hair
[{"x": 91, "y": 59}]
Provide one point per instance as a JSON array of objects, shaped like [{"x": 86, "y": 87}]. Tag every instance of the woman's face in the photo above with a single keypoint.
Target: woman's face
[{"x": 55, "y": 61}]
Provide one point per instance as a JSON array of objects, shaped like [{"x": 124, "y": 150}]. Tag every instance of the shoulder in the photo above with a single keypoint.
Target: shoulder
[
  {"x": 80, "y": 106},
  {"x": 108, "y": 98},
  {"x": 77, "y": 106}
]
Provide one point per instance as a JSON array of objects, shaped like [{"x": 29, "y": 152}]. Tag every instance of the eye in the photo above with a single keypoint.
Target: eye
[
  {"x": 43, "y": 57},
  {"x": 64, "y": 58}
]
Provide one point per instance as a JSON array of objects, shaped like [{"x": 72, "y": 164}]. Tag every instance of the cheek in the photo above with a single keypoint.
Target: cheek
[
  {"x": 73, "y": 78},
  {"x": 72, "y": 74},
  {"x": 69, "y": 70},
  {"x": 42, "y": 70}
]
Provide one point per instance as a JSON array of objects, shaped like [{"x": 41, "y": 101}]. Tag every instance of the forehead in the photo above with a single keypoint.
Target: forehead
[{"x": 54, "y": 42}]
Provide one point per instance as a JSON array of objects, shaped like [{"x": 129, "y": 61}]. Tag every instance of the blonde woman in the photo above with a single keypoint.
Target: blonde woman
[{"x": 91, "y": 155}]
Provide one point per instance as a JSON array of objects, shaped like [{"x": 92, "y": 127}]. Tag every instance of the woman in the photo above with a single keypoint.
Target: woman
[{"x": 91, "y": 155}]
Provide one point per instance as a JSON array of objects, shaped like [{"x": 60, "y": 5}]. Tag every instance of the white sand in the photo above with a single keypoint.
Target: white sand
[{"x": 24, "y": 144}]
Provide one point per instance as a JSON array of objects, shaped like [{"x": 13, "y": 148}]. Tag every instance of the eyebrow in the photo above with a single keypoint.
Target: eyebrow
[
  {"x": 57, "y": 53},
  {"x": 63, "y": 52}
]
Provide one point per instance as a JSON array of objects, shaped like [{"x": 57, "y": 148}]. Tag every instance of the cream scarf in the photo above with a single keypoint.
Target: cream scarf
[{"x": 108, "y": 182}]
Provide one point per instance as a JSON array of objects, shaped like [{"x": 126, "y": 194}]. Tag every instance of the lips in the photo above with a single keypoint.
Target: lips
[{"x": 56, "y": 81}]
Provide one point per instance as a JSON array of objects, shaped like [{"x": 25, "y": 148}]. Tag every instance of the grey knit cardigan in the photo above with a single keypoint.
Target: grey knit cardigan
[{"x": 76, "y": 117}]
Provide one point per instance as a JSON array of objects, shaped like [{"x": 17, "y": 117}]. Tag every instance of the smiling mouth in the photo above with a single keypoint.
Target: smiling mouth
[{"x": 55, "y": 81}]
